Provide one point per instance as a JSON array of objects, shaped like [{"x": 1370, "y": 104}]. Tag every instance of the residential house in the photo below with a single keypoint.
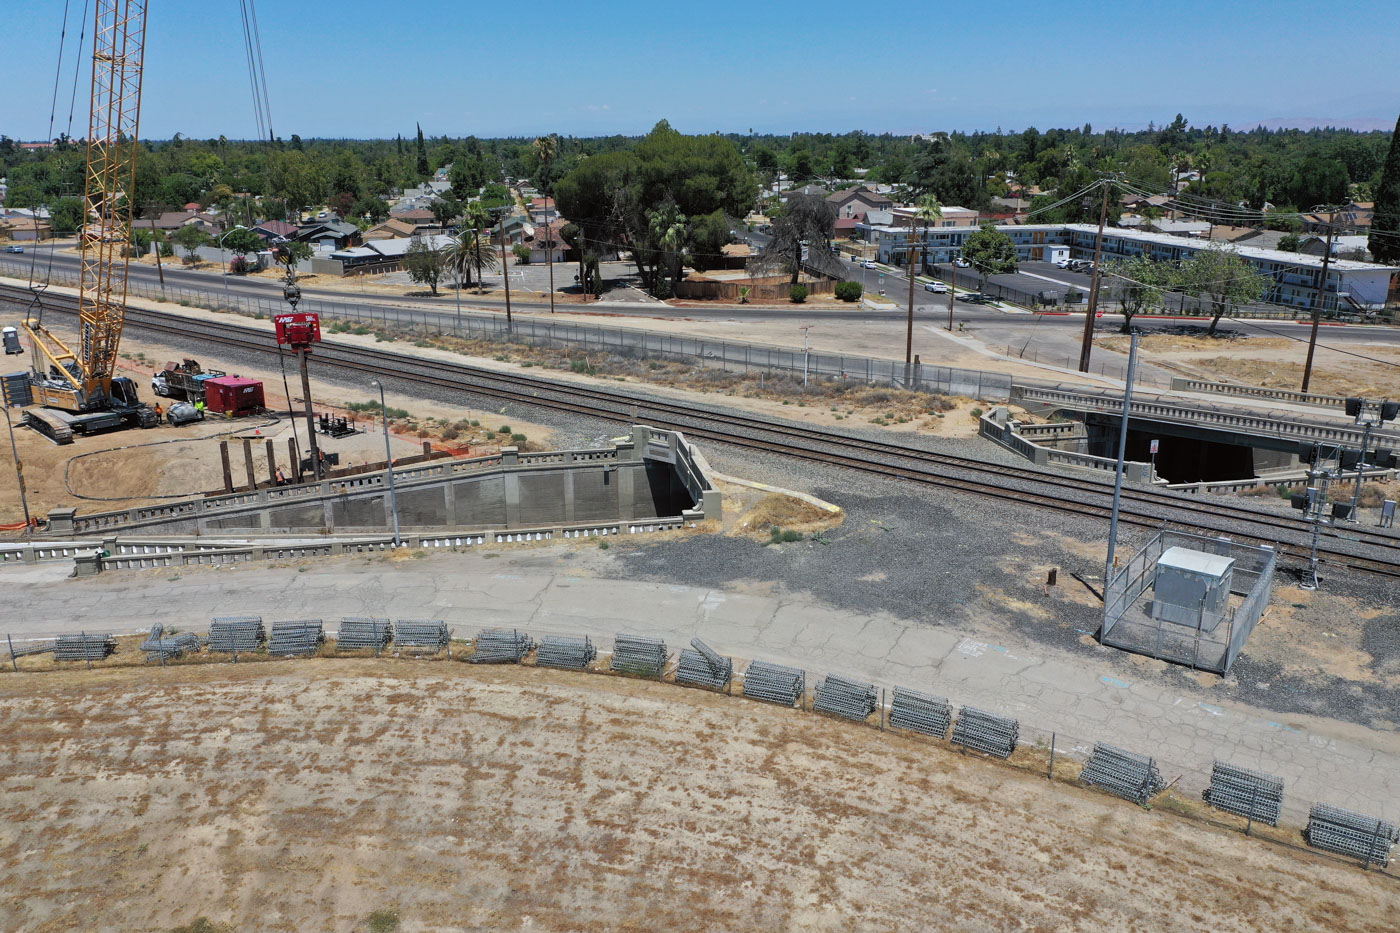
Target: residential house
[
  {"x": 517, "y": 227},
  {"x": 383, "y": 255},
  {"x": 1193, "y": 228},
  {"x": 391, "y": 229},
  {"x": 418, "y": 217},
  {"x": 174, "y": 220},
  {"x": 328, "y": 235},
  {"x": 816, "y": 191},
  {"x": 1343, "y": 247},
  {"x": 275, "y": 231},
  {"x": 543, "y": 211},
  {"x": 845, "y": 227},
  {"x": 858, "y": 200},
  {"x": 546, "y": 241}
]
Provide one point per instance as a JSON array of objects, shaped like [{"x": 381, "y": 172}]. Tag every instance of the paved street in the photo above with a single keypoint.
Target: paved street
[{"x": 585, "y": 591}]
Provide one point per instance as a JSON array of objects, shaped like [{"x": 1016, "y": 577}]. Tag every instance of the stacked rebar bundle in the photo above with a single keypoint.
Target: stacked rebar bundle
[
  {"x": 501, "y": 646},
  {"x": 356, "y": 633},
  {"x": 40, "y": 647},
  {"x": 774, "y": 683},
  {"x": 566, "y": 652},
  {"x": 985, "y": 732},
  {"x": 1244, "y": 792},
  {"x": 1348, "y": 833},
  {"x": 83, "y": 647},
  {"x": 921, "y": 712},
  {"x": 639, "y": 656},
  {"x": 704, "y": 667},
  {"x": 1123, "y": 774},
  {"x": 158, "y": 647},
  {"x": 842, "y": 696},
  {"x": 421, "y": 633},
  {"x": 236, "y": 633},
  {"x": 299, "y": 636}
]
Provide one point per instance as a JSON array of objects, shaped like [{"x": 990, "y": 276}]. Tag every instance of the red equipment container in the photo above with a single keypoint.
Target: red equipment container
[{"x": 233, "y": 396}]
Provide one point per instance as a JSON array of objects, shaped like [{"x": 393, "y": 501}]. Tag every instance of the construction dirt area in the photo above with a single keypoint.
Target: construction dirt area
[
  {"x": 1272, "y": 362},
  {"x": 340, "y": 794}
]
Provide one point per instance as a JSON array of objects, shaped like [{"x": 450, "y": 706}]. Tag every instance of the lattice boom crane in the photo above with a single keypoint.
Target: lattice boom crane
[{"x": 83, "y": 381}]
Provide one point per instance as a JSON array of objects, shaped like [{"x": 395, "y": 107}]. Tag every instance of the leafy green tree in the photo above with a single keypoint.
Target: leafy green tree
[
  {"x": 190, "y": 238},
  {"x": 445, "y": 210},
  {"x": 1138, "y": 283},
  {"x": 1222, "y": 278},
  {"x": 425, "y": 264},
  {"x": 293, "y": 177},
  {"x": 67, "y": 215},
  {"x": 1318, "y": 181},
  {"x": 1385, "y": 224},
  {"x": 376, "y": 209},
  {"x": 1290, "y": 242},
  {"x": 242, "y": 241},
  {"x": 990, "y": 251},
  {"x": 706, "y": 238},
  {"x": 521, "y": 253}
]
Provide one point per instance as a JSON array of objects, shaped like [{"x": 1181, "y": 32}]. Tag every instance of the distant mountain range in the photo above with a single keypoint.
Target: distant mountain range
[{"x": 1360, "y": 124}]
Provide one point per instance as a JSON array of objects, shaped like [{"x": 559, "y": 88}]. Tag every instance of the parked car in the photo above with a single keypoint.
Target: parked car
[
  {"x": 962, "y": 263},
  {"x": 938, "y": 288},
  {"x": 14, "y": 248},
  {"x": 183, "y": 413},
  {"x": 867, "y": 264},
  {"x": 1062, "y": 263}
]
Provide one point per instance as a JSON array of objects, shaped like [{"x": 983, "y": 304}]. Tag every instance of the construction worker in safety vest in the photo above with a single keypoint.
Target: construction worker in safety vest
[{"x": 199, "y": 407}]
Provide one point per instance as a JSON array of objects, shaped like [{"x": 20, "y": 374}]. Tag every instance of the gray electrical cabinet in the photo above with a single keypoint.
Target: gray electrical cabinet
[{"x": 1192, "y": 587}]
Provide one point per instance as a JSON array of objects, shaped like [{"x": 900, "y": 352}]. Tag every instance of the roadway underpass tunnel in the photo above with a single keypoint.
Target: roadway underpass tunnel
[{"x": 1189, "y": 455}]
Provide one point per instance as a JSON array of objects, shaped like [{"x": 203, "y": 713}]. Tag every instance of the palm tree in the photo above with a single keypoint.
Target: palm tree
[
  {"x": 478, "y": 218},
  {"x": 546, "y": 148},
  {"x": 465, "y": 252}
]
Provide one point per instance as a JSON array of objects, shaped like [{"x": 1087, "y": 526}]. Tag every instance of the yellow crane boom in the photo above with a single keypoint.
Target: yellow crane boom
[{"x": 118, "y": 47}]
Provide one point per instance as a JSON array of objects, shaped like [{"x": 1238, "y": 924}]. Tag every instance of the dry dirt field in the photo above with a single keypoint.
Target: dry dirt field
[
  {"x": 1275, "y": 362},
  {"x": 305, "y": 796}
]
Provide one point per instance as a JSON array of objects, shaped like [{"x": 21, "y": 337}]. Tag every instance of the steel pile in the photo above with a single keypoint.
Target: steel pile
[
  {"x": 300, "y": 636},
  {"x": 236, "y": 633},
  {"x": 1244, "y": 792},
  {"x": 83, "y": 647},
  {"x": 565, "y": 652},
  {"x": 1123, "y": 774},
  {"x": 157, "y": 646},
  {"x": 356, "y": 633},
  {"x": 421, "y": 633},
  {"x": 501, "y": 646},
  {"x": 774, "y": 683},
  {"x": 985, "y": 732},
  {"x": 703, "y": 667},
  {"x": 639, "y": 656},
  {"x": 841, "y": 696},
  {"x": 921, "y": 712},
  {"x": 1348, "y": 833}
]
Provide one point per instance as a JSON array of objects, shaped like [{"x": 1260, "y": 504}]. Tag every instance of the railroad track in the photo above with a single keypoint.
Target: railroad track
[{"x": 1360, "y": 549}]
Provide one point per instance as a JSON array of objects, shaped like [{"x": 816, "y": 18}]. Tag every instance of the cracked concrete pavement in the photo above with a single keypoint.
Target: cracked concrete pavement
[{"x": 579, "y": 590}]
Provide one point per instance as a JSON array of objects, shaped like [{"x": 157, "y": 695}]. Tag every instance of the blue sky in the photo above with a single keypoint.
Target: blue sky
[{"x": 373, "y": 68}]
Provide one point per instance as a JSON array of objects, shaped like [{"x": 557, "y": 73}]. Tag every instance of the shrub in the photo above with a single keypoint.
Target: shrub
[
  {"x": 451, "y": 434},
  {"x": 1074, "y": 296},
  {"x": 504, "y": 429},
  {"x": 849, "y": 291},
  {"x": 384, "y": 921},
  {"x": 798, "y": 294},
  {"x": 517, "y": 438},
  {"x": 583, "y": 366}
]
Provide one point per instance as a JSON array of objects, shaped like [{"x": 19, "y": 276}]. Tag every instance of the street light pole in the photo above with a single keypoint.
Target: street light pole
[
  {"x": 1118, "y": 473},
  {"x": 223, "y": 266},
  {"x": 19, "y": 476},
  {"x": 388, "y": 461},
  {"x": 805, "y": 353}
]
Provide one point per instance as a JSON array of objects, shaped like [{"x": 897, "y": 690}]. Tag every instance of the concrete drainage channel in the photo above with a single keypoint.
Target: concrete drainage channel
[{"x": 1256, "y": 796}]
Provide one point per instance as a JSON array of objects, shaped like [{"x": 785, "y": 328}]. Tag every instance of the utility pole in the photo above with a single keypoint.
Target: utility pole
[
  {"x": 160, "y": 270},
  {"x": 1086, "y": 348},
  {"x": 952, "y": 289},
  {"x": 805, "y": 353},
  {"x": 1317, "y": 307},
  {"x": 909, "y": 332},
  {"x": 1118, "y": 474}
]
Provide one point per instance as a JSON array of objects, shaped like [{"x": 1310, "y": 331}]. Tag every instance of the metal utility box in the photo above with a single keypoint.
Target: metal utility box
[
  {"x": 1192, "y": 587},
  {"x": 233, "y": 396}
]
